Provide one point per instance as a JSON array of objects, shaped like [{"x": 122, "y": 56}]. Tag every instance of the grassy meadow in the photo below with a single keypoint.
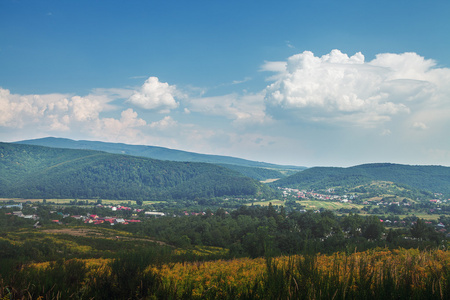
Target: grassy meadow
[
  {"x": 312, "y": 204},
  {"x": 373, "y": 274}
]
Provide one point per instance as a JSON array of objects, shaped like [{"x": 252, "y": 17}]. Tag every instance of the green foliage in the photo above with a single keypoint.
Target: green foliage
[
  {"x": 378, "y": 274},
  {"x": 248, "y": 231},
  {"x": 40, "y": 172},
  {"x": 260, "y": 174},
  {"x": 159, "y": 153},
  {"x": 426, "y": 178}
]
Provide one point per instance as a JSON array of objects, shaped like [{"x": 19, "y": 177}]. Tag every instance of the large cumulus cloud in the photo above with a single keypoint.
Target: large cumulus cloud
[
  {"x": 155, "y": 95},
  {"x": 338, "y": 88},
  {"x": 50, "y": 114},
  {"x": 50, "y": 111}
]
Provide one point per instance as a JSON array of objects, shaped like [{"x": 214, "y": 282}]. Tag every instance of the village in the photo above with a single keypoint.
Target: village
[{"x": 353, "y": 198}]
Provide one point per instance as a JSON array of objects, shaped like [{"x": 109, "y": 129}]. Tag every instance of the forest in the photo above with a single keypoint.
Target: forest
[
  {"x": 160, "y": 153},
  {"x": 40, "y": 172},
  {"x": 426, "y": 178}
]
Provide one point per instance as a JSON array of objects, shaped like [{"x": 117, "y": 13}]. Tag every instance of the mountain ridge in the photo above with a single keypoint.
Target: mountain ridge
[
  {"x": 161, "y": 153},
  {"x": 31, "y": 171},
  {"x": 431, "y": 178}
]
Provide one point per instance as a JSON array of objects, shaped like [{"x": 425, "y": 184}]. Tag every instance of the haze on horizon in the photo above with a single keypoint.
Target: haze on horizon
[{"x": 311, "y": 83}]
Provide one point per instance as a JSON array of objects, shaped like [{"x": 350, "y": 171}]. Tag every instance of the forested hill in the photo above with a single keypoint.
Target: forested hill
[
  {"x": 163, "y": 154},
  {"x": 29, "y": 171},
  {"x": 428, "y": 178}
]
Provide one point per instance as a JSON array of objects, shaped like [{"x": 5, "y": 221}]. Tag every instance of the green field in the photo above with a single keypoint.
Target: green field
[
  {"x": 316, "y": 204},
  {"x": 67, "y": 201},
  {"x": 334, "y": 206},
  {"x": 266, "y": 203},
  {"x": 313, "y": 204}
]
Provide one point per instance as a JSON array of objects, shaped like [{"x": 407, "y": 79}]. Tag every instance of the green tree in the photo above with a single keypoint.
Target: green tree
[
  {"x": 420, "y": 229},
  {"x": 373, "y": 228}
]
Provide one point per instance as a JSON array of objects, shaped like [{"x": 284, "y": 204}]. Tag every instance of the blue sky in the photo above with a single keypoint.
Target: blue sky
[{"x": 314, "y": 83}]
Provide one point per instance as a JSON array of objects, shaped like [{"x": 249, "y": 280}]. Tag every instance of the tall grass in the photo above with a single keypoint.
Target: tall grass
[{"x": 375, "y": 274}]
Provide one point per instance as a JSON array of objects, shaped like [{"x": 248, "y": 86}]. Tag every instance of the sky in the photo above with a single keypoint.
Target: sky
[{"x": 307, "y": 83}]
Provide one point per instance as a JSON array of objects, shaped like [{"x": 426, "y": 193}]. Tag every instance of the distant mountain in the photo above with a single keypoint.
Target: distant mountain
[
  {"x": 30, "y": 171},
  {"x": 161, "y": 153},
  {"x": 427, "y": 178}
]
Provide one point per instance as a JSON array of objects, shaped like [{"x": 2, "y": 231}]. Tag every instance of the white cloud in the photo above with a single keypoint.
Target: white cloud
[
  {"x": 164, "y": 124},
  {"x": 336, "y": 88},
  {"x": 111, "y": 94},
  {"x": 52, "y": 114},
  {"x": 289, "y": 44},
  {"x": 49, "y": 112},
  {"x": 274, "y": 66},
  {"x": 239, "y": 108},
  {"x": 386, "y": 132},
  {"x": 84, "y": 109},
  {"x": 155, "y": 95},
  {"x": 123, "y": 129},
  {"x": 399, "y": 101},
  {"x": 241, "y": 81},
  {"x": 419, "y": 126}
]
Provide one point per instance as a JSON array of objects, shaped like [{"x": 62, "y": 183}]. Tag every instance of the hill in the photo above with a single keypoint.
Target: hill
[
  {"x": 428, "y": 178},
  {"x": 260, "y": 173},
  {"x": 29, "y": 171}
]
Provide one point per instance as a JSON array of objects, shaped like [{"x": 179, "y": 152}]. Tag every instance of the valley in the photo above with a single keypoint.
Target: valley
[{"x": 76, "y": 222}]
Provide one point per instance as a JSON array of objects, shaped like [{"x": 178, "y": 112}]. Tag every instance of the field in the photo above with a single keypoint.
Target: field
[
  {"x": 374, "y": 274},
  {"x": 270, "y": 180},
  {"x": 357, "y": 274},
  {"x": 313, "y": 204},
  {"x": 266, "y": 203},
  {"x": 68, "y": 201},
  {"x": 331, "y": 205}
]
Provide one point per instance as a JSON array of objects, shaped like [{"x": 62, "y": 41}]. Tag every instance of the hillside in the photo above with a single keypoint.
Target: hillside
[
  {"x": 428, "y": 178},
  {"x": 29, "y": 171},
  {"x": 262, "y": 171}
]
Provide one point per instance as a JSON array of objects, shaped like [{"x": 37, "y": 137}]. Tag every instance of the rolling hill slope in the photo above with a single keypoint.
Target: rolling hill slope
[
  {"x": 260, "y": 171},
  {"x": 427, "y": 178},
  {"x": 29, "y": 171}
]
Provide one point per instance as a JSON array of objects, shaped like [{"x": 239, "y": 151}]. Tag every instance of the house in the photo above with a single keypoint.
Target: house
[
  {"x": 112, "y": 221},
  {"x": 157, "y": 214},
  {"x": 12, "y": 206},
  {"x": 18, "y": 213},
  {"x": 133, "y": 221},
  {"x": 34, "y": 217}
]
